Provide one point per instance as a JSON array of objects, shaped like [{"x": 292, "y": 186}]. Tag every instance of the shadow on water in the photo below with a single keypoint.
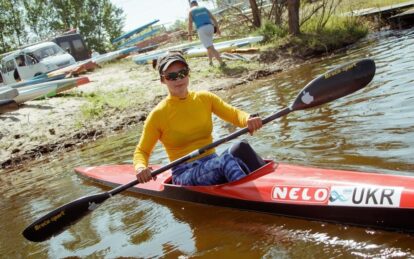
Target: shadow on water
[{"x": 371, "y": 130}]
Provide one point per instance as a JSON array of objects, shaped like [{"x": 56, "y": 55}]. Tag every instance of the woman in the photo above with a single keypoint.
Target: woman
[
  {"x": 183, "y": 123},
  {"x": 206, "y": 26}
]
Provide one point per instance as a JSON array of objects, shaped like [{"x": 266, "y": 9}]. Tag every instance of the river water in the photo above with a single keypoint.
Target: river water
[{"x": 371, "y": 130}]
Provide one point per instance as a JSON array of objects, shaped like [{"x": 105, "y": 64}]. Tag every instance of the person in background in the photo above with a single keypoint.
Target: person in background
[
  {"x": 20, "y": 63},
  {"x": 206, "y": 26},
  {"x": 183, "y": 123}
]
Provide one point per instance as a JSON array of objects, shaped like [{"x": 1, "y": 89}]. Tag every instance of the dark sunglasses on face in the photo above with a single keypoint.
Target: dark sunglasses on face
[{"x": 172, "y": 76}]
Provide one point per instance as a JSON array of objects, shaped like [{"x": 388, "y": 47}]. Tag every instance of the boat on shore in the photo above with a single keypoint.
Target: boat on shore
[
  {"x": 8, "y": 106},
  {"x": 7, "y": 93},
  {"x": 134, "y": 31},
  {"x": 34, "y": 93},
  {"x": 36, "y": 80},
  {"x": 200, "y": 50},
  {"x": 195, "y": 49},
  {"x": 373, "y": 200},
  {"x": 48, "y": 89}
]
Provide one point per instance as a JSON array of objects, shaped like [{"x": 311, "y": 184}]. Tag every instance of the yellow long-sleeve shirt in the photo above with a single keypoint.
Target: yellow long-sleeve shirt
[{"x": 184, "y": 125}]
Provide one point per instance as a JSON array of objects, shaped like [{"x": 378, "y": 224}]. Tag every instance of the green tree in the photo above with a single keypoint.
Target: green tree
[
  {"x": 39, "y": 16},
  {"x": 12, "y": 24},
  {"x": 179, "y": 25},
  {"x": 4, "y": 28},
  {"x": 98, "y": 21}
]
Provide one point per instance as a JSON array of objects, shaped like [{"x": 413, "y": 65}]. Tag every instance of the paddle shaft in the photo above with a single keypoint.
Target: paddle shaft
[{"x": 200, "y": 151}]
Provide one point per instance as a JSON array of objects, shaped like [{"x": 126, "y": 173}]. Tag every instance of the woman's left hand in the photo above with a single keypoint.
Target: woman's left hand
[{"x": 254, "y": 123}]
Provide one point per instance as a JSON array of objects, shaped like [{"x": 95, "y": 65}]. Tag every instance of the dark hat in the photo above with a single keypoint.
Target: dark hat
[
  {"x": 164, "y": 62},
  {"x": 193, "y": 1}
]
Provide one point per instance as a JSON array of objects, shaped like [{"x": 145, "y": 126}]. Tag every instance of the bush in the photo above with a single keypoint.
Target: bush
[{"x": 271, "y": 31}]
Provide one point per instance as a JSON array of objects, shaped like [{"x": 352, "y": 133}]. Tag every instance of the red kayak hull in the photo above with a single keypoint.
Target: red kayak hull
[{"x": 374, "y": 200}]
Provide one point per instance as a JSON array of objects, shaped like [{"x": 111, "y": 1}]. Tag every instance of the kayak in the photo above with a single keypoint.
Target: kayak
[
  {"x": 200, "y": 50},
  {"x": 373, "y": 200},
  {"x": 75, "y": 69},
  {"x": 380, "y": 201},
  {"x": 40, "y": 79},
  {"x": 65, "y": 85},
  {"x": 34, "y": 93},
  {"x": 7, "y": 93},
  {"x": 139, "y": 38},
  {"x": 134, "y": 31}
]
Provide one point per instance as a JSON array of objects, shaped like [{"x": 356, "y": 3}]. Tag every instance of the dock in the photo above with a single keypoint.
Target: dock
[
  {"x": 398, "y": 16},
  {"x": 384, "y": 11},
  {"x": 402, "y": 20}
]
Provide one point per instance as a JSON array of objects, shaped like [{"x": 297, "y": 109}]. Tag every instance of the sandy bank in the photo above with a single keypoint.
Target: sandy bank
[{"x": 120, "y": 96}]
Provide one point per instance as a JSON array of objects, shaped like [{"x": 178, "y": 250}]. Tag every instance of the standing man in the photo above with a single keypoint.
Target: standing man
[{"x": 206, "y": 26}]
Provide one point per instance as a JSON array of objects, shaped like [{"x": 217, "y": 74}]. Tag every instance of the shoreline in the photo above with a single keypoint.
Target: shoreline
[{"x": 46, "y": 128}]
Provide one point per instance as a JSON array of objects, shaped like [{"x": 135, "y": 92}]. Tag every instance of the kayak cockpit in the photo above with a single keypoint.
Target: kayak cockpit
[{"x": 267, "y": 168}]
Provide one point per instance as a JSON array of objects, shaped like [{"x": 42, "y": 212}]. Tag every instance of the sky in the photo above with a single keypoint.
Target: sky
[{"x": 139, "y": 12}]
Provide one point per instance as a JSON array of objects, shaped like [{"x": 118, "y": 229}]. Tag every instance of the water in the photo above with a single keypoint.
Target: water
[{"x": 371, "y": 130}]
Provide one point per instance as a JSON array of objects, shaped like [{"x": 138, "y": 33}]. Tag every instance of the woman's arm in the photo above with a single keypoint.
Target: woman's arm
[
  {"x": 149, "y": 137},
  {"x": 233, "y": 115}
]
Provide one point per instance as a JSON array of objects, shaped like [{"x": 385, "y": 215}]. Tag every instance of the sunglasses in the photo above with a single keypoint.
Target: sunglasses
[{"x": 172, "y": 76}]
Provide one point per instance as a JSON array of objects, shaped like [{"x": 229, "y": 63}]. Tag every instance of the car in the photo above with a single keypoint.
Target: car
[
  {"x": 74, "y": 44},
  {"x": 33, "y": 61}
]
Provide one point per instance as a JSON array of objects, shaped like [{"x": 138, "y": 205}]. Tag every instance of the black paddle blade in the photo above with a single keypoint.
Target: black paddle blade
[
  {"x": 61, "y": 218},
  {"x": 335, "y": 83}
]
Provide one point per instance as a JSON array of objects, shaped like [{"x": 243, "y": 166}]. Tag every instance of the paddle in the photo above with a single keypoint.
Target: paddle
[{"x": 332, "y": 85}]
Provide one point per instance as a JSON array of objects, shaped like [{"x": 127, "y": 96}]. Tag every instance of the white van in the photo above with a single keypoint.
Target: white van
[{"x": 34, "y": 60}]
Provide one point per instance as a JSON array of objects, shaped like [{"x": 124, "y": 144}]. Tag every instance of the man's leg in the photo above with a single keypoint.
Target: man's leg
[
  {"x": 216, "y": 54},
  {"x": 210, "y": 55}
]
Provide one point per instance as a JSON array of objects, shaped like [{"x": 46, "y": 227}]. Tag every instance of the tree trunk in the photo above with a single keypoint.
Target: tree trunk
[
  {"x": 293, "y": 10},
  {"x": 255, "y": 13},
  {"x": 279, "y": 8}
]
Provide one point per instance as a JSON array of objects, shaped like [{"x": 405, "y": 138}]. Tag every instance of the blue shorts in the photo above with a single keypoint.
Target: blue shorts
[{"x": 210, "y": 170}]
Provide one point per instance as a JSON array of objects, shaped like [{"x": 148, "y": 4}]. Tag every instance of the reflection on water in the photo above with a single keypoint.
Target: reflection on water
[{"x": 371, "y": 130}]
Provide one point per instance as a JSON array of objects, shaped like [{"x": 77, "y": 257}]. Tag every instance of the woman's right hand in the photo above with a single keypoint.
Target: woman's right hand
[{"x": 144, "y": 174}]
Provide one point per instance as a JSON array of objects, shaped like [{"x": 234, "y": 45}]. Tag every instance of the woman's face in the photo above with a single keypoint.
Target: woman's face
[{"x": 179, "y": 87}]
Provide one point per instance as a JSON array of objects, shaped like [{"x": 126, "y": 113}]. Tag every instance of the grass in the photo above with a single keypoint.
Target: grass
[
  {"x": 99, "y": 102},
  {"x": 337, "y": 33},
  {"x": 319, "y": 34}
]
